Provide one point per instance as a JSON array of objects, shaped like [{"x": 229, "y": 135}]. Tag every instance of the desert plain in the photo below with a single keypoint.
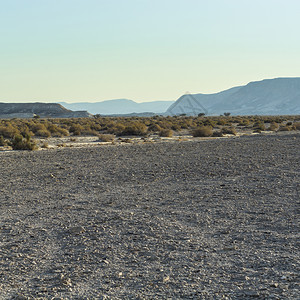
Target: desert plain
[{"x": 202, "y": 219}]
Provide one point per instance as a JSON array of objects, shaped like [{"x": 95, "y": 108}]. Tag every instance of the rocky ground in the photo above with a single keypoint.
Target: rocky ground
[{"x": 213, "y": 219}]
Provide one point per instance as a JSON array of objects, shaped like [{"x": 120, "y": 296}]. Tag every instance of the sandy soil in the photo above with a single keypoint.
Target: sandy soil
[{"x": 213, "y": 219}]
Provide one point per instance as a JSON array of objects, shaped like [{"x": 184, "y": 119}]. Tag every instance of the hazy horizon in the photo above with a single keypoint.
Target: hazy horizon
[{"x": 142, "y": 50}]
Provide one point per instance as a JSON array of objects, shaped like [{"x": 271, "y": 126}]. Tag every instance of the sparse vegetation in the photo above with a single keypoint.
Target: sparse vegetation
[{"x": 108, "y": 127}]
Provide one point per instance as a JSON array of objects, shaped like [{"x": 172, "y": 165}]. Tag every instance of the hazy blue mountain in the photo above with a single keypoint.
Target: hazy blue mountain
[
  {"x": 279, "y": 96},
  {"x": 119, "y": 106}
]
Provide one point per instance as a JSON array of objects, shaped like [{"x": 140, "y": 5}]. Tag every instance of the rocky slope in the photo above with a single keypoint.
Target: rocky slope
[
  {"x": 193, "y": 220},
  {"x": 280, "y": 96}
]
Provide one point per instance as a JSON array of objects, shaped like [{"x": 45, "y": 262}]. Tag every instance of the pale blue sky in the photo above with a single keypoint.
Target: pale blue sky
[{"x": 144, "y": 50}]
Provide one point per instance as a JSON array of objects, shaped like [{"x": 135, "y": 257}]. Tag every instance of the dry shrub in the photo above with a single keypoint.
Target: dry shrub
[
  {"x": 2, "y": 141},
  {"x": 76, "y": 129},
  {"x": 259, "y": 126},
  {"x": 244, "y": 122},
  {"x": 135, "y": 128},
  {"x": 228, "y": 130},
  {"x": 284, "y": 128},
  {"x": 217, "y": 134},
  {"x": 9, "y": 131},
  {"x": 115, "y": 128},
  {"x": 154, "y": 128},
  {"x": 106, "y": 137},
  {"x": 57, "y": 131},
  {"x": 273, "y": 126},
  {"x": 203, "y": 131},
  {"x": 296, "y": 125},
  {"x": 43, "y": 133},
  {"x": 166, "y": 133},
  {"x": 20, "y": 143}
]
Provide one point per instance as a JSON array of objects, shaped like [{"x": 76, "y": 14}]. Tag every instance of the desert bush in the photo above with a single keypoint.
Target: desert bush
[
  {"x": 115, "y": 128},
  {"x": 20, "y": 143},
  {"x": 259, "y": 126},
  {"x": 34, "y": 127},
  {"x": 222, "y": 122},
  {"x": 217, "y": 134},
  {"x": 244, "y": 122},
  {"x": 154, "y": 128},
  {"x": 135, "y": 128},
  {"x": 176, "y": 127},
  {"x": 106, "y": 137},
  {"x": 209, "y": 122},
  {"x": 166, "y": 133},
  {"x": 204, "y": 131},
  {"x": 273, "y": 126},
  {"x": 9, "y": 131},
  {"x": 2, "y": 141},
  {"x": 88, "y": 131},
  {"x": 57, "y": 131},
  {"x": 284, "y": 128},
  {"x": 296, "y": 125},
  {"x": 228, "y": 130},
  {"x": 76, "y": 129},
  {"x": 40, "y": 130},
  {"x": 43, "y": 133}
]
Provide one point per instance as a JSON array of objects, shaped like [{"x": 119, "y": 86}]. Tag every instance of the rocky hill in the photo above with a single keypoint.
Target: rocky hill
[
  {"x": 44, "y": 110},
  {"x": 280, "y": 96}
]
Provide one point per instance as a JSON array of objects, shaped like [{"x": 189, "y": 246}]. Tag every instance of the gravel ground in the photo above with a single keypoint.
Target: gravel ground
[{"x": 194, "y": 220}]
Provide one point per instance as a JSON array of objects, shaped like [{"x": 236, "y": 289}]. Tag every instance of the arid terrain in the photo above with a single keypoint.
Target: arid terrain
[{"x": 196, "y": 219}]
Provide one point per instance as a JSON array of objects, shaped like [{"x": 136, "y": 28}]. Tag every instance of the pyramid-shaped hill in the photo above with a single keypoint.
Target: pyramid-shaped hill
[{"x": 280, "y": 96}]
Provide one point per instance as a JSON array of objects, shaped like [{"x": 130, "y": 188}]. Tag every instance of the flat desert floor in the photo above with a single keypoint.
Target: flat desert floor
[{"x": 212, "y": 219}]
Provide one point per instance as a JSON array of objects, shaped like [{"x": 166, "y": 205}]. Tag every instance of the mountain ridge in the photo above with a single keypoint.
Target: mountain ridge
[
  {"x": 276, "y": 96},
  {"x": 119, "y": 106}
]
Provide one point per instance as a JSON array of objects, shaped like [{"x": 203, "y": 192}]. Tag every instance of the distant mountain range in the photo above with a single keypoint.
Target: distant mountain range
[
  {"x": 280, "y": 96},
  {"x": 120, "y": 106}
]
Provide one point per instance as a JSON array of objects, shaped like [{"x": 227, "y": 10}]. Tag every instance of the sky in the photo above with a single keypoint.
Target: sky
[{"x": 144, "y": 50}]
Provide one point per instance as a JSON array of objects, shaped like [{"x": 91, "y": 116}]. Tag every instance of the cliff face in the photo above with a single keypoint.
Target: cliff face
[{"x": 44, "y": 110}]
